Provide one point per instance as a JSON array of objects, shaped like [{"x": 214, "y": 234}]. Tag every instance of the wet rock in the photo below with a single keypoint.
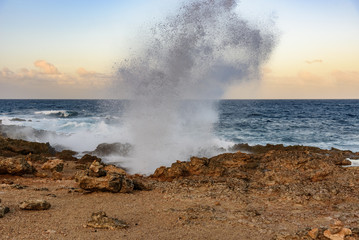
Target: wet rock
[
  {"x": 100, "y": 220},
  {"x": 15, "y": 166},
  {"x": 120, "y": 149},
  {"x": 88, "y": 159},
  {"x": 337, "y": 231},
  {"x": 67, "y": 155},
  {"x": 55, "y": 165},
  {"x": 13, "y": 147},
  {"x": 37, "y": 204},
  {"x": 18, "y": 120}
]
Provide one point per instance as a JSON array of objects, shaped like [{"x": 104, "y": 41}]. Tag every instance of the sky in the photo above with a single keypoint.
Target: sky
[{"x": 69, "y": 49}]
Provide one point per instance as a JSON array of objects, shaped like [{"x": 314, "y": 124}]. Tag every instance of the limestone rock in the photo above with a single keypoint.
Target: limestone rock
[
  {"x": 15, "y": 166},
  {"x": 112, "y": 182},
  {"x": 337, "y": 231},
  {"x": 54, "y": 165},
  {"x": 313, "y": 233},
  {"x": 37, "y": 204},
  {"x": 100, "y": 220},
  {"x": 96, "y": 178}
]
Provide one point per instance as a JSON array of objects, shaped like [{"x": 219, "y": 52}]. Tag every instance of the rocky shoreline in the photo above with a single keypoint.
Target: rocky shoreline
[{"x": 257, "y": 192}]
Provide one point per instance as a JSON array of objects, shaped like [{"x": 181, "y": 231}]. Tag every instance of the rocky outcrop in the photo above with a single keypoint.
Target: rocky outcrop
[
  {"x": 337, "y": 231},
  {"x": 13, "y": 147},
  {"x": 66, "y": 155},
  {"x": 100, "y": 220},
  {"x": 37, "y": 204},
  {"x": 54, "y": 165},
  {"x": 106, "y": 149},
  {"x": 96, "y": 178},
  {"x": 16, "y": 166}
]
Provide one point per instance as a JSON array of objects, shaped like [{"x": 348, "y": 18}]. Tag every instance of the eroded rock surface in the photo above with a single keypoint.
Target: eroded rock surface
[
  {"x": 16, "y": 166},
  {"x": 37, "y": 204},
  {"x": 97, "y": 178},
  {"x": 100, "y": 220}
]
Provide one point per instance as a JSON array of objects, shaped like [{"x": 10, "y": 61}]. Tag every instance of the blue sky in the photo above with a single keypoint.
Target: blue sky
[{"x": 317, "y": 55}]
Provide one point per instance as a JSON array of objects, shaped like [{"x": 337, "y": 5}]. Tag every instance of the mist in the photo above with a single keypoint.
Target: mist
[{"x": 184, "y": 65}]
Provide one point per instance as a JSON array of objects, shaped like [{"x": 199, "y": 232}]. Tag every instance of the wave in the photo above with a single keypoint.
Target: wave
[{"x": 58, "y": 113}]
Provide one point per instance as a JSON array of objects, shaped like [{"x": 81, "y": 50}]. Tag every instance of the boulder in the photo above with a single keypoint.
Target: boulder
[
  {"x": 105, "y": 149},
  {"x": 99, "y": 220},
  {"x": 67, "y": 155},
  {"x": 112, "y": 182},
  {"x": 16, "y": 166},
  {"x": 37, "y": 204},
  {"x": 87, "y": 158},
  {"x": 337, "y": 231},
  {"x": 54, "y": 165},
  {"x": 96, "y": 178}
]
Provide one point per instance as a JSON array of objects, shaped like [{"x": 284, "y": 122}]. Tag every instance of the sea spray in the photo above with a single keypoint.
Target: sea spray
[{"x": 189, "y": 59}]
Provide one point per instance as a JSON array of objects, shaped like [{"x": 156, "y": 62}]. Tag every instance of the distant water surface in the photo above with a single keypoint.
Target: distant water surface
[{"x": 321, "y": 123}]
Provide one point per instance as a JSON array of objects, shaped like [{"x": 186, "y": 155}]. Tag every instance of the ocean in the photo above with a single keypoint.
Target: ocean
[{"x": 81, "y": 125}]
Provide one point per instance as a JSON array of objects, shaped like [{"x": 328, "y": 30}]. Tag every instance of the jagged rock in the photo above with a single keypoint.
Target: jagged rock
[
  {"x": 112, "y": 182},
  {"x": 96, "y": 178},
  {"x": 337, "y": 231},
  {"x": 15, "y": 166},
  {"x": 37, "y": 204},
  {"x": 67, "y": 155},
  {"x": 53, "y": 165},
  {"x": 88, "y": 159},
  {"x": 313, "y": 233},
  {"x": 96, "y": 169},
  {"x": 100, "y": 220},
  {"x": 112, "y": 168},
  {"x": 105, "y": 149},
  {"x": 12, "y": 147}
]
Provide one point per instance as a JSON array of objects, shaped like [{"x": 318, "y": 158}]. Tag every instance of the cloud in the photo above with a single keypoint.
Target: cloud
[
  {"x": 314, "y": 61},
  {"x": 46, "y": 79},
  {"x": 46, "y": 68}
]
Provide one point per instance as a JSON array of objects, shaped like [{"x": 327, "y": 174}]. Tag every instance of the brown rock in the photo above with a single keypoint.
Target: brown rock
[
  {"x": 3, "y": 211},
  {"x": 313, "y": 233},
  {"x": 112, "y": 168},
  {"x": 88, "y": 159},
  {"x": 337, "y": 231},
  {"x": 37, "y": 204},
  {"x": 67, "y": 155},
  {"x": 100, "y": 220},
  {"x": 54, "y": 165},
  {"x": 112, "y": 182},
  {"x": 15, "y": 166},
  {"x": 96, "y": 169}
]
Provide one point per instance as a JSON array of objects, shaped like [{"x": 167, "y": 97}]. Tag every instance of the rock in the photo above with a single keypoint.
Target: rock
[
  {"x": 337, "y": 231},
  {"x": 15, "y": 166},
  {"x": 112, "y": 168},
  {"x": 96, "y": 169},
  {"x": 13, "y": 147},
  {"x": 37, "y": 204},
  {"x": 99, "y": 220},
  {"x": 67, "y": 155},
  {"x": 119, "y": 149},
  {"x": 313, "y": 233},
  {"x": 54, "y": 165},
  {"x": 112, "y": 182},
  {"x": 88, "y": 159},
  {"x": 3, "y": 211}
]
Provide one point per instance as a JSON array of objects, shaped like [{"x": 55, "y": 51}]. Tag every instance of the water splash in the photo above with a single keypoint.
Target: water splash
[{"x": 195, "y": 54}]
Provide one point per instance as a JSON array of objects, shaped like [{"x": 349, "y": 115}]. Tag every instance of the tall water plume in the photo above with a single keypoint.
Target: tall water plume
[{"x": 188, "y": 59}]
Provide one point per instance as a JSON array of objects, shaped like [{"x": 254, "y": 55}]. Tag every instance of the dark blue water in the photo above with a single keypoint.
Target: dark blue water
[{"x": 322, "y": 123}]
